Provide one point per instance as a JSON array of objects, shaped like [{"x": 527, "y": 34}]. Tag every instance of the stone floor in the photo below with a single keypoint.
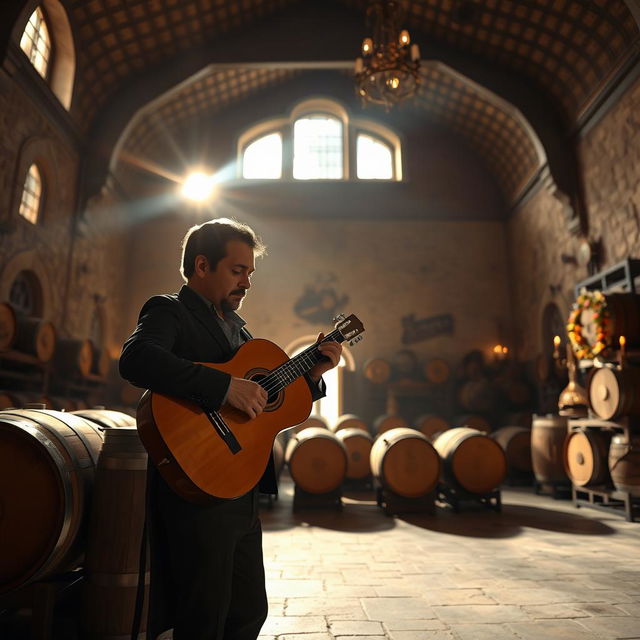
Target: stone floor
[{"x": 541, "y": 569}]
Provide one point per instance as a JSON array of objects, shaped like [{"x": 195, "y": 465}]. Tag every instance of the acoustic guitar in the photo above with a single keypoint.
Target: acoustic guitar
[{"x": 223, "y": 454}]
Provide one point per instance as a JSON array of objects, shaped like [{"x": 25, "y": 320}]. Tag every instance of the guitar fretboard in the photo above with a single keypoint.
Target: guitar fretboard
[{"x": 297, "y": 366}]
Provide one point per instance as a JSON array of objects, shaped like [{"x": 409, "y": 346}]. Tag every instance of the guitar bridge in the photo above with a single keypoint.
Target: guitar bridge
[{"x": 223, "y": 431}]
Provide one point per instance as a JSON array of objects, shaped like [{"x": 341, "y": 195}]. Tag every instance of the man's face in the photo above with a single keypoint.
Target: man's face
[{"x": 229, "y": 282}]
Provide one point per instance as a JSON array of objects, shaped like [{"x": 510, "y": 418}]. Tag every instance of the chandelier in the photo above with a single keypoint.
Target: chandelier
[{"x": 389, "y": 69}]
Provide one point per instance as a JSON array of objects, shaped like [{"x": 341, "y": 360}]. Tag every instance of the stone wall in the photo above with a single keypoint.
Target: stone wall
[{"x": 538, "y": 235}]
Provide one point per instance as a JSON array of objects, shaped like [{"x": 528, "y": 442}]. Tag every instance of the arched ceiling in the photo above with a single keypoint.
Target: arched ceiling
[
  {"x": 496, "y": 130},
  {"x": 555, "y": 61}
]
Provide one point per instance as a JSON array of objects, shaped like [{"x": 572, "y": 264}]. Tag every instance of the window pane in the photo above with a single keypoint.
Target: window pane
[
  {"x": 375, "y": 160},
  {"x": 36, "y": 43},
  {"x": 317, "y": 148},
  {"x": 30, "y": 201},
  {"x": 263, "y": 158}
]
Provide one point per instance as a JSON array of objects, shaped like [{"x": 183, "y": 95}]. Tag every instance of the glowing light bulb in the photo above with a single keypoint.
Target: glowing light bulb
[{"x": 405, "y": 39}]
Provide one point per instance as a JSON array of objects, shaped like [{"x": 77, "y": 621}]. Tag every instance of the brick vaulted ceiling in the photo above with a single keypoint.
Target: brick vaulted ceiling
[{"x": 569, "y": 52}]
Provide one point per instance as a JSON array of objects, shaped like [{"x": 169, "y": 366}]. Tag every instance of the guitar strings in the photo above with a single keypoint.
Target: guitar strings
[{"x": 310, "y": 356}]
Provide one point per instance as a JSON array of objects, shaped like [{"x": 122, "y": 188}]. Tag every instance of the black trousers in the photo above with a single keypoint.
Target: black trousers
[{"x": 207, "y": 570}]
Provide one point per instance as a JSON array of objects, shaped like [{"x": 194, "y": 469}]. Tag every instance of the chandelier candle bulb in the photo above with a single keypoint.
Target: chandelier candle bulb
[
  {"x": 367, "y": 46},
  {"x": 623, "y": 350},
  {"x": 405, "y": 38},
  {"x": 556, "y": 345}
]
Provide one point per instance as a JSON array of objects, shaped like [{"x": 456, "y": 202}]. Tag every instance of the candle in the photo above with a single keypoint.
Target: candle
[
  {"x": 556, "y": 345},
  {"x": 623, "y": 341}
]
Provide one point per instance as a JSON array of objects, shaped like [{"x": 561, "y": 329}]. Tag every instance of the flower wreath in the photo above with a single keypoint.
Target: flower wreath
[{"x": 597, "y": 302}]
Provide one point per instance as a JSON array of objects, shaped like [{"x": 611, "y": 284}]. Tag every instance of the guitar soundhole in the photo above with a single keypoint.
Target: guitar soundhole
[{"x": 275, "y": 400}]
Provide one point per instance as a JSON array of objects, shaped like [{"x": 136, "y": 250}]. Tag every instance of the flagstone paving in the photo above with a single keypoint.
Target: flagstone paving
[{"x": 541, "y": 569}]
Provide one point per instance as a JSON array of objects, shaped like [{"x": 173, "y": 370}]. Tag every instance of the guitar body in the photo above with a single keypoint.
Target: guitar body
[{"x": 190, "y": 453}]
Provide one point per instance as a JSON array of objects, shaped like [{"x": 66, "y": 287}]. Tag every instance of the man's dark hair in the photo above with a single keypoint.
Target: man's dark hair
[{"x": 210, "y": 240}]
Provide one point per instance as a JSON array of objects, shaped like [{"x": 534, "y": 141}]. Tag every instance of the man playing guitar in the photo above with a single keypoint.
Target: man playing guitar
[{"x": 207, "y": 573}]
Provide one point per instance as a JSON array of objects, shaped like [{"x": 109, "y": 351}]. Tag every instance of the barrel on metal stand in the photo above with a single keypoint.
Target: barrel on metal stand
[
  {"x": 430, "y": 424},
  {"x": 357, "y": 443},
  {"x": 47, "y": 466},
  {"x": 473, "y": 421},
  {"x": 471, "y": 460},
  {"x": 516, "y": 444},
  {"x": 586, "y": 457},
  {"x": 548, "y": 434},
  {"x": 377, "y": 370},
  {"x": 317, "y": 460},
  {"x": 386, "y": 422},
  {"x": 615, "y": 392},
  {"x": 36, "y": 337},
  {"x": 349, "y": 421},
  {"x": 624, "y": 463},
  {"x": 115, "y": 536},
  {"x": 74, "y": 358},
  {"x": 436, "y": 371},
  {"x": 405, "y": 463},
  {"x": 477, "y": 395}
]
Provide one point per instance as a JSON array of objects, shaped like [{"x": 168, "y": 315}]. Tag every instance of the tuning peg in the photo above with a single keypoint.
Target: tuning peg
[{"x": 339, "y": 318}]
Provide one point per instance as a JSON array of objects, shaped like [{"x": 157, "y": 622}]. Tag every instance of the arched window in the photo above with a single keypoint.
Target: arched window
[
  {"x": 47, "y": 41},
  {"x": 317, "y": 148},
  {"x": 374, "y": 158},
  {"x": 320, "y": 141},
  {"x": 31, "y": 195},
  {"x": 26, "y": 294},
  {"x": 262, "y": 158},
  {"x": 36, "y": 42}
]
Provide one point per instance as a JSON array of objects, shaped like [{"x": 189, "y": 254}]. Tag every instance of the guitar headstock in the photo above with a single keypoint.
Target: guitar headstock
[{"x": 350, "y": 328}]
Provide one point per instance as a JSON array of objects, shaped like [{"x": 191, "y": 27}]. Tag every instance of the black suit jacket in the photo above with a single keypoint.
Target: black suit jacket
[{"x": 174, "y": 331}]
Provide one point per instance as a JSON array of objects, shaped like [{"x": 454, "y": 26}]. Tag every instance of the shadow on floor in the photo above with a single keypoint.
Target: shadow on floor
[{"x": 477, "y": 521}]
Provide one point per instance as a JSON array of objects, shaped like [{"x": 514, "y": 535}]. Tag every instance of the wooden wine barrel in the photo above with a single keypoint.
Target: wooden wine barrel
[
  {"x": 377, "y": 370},
  {"x": 115, "y": 535},
  {"x": 386, "y": 421},
  {"x": 107, "y": 418},
  {"x": 586, "y": 457},
  {"x": 405, "y": 365},
  {"x": 516, "y": 444},
  {"x": 405, "y": 463},
  {"x": 317, "y": 460},
  {"x": 471, "y": 460},
  {"x": 311, "y": 421},
  {"x": 548, "y": 434},
  {"x": 436, "y": 371},
  {"x": 357, "y": 443},
  {"x": 478, "y": 395},
  {"x": 516, "y": 392},
  {"x": 36, "y": 337},
  {"x": 47, "y": 460},
  {"x": 615, "y": 392},
  {"x": 74, "y": 357},
  {"x": 624, "y": 463},
  {"x": 349, "y": 421},
  {"x": 473, "y": 421},
  {"x": 429, "y": 424}
]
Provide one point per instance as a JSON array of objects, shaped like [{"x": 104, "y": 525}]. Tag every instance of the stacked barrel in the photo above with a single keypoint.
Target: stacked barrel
[
  {"x": 62, "y": 481},
  {"x": 31, "y": 350},
  {"x": 601, "y": 451},
  {"x": 407, "y": 464}
]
